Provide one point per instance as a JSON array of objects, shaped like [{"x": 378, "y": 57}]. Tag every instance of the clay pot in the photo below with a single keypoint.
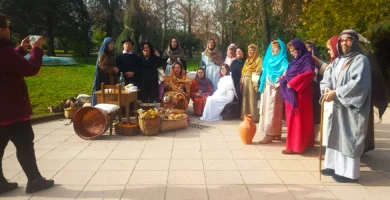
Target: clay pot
[{"x": 247, "y": 129}]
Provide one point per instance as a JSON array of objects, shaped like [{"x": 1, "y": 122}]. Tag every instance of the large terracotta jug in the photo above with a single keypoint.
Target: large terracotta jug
[{"x": 247, "y": 129}]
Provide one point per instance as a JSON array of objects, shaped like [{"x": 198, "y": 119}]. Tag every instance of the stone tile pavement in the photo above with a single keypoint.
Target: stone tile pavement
[{"x": 196, "y": 164}]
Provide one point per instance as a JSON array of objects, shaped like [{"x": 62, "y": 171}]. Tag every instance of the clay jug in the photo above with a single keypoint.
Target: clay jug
[{"x": 247, "y": 129}]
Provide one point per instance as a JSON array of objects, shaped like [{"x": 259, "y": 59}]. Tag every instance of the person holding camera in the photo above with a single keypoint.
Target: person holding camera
[{"x": 16, "y": 109}]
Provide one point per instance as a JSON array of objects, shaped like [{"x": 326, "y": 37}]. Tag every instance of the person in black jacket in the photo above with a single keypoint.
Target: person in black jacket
[
  {"x": 129, "y": 63},
  {"x": 150, "y": 61}
]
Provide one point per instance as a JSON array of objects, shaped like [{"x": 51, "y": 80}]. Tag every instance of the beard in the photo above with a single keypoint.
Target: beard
[{"x": 345, "y": 49}]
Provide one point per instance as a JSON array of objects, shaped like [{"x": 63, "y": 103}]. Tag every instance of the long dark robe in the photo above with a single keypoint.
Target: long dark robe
[
  {"x": 149, "y": 82},
  {"x": 236, "y": 68},
  {"x": 130, "y": 63}
]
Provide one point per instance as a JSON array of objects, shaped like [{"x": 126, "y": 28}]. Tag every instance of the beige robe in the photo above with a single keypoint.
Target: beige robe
[{"x": 271, "y": 111}]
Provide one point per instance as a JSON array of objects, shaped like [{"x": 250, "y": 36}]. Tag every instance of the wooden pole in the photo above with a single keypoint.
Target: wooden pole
[{"x": 321, "y": 128}]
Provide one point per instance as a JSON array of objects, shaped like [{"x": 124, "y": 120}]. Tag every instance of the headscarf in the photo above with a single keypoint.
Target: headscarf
[
  {"x": 173, "y": 78},
  {"x": 214, "y": 54},
  {"x": 203, "y": 82},
  {"x": 273, "y": 65},
  {"x": 252, "y": 63},
  {"x": 333, "y": 45},
  {"x": 299, "y": 65},
  {"x": 230, "y": 57},
  {"x": 354, "y": 49},
  {"x": 175, "y": 53},
  {"x": 103, "y": 48},
  {"x": 313, "y": 48}
]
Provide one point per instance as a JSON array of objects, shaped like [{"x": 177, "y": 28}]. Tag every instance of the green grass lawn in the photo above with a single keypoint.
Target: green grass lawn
[{"x": 56, "y": 83}]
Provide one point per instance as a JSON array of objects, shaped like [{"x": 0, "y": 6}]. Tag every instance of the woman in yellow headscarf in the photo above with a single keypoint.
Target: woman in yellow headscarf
[
  {"x": 249, "y": 83},
  {"x": 177, "y": 88}
]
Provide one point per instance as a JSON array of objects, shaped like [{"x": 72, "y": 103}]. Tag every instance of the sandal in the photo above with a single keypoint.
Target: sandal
[
  {"x": 288, "y": 152},
  {"x": 268, "y": 139}
]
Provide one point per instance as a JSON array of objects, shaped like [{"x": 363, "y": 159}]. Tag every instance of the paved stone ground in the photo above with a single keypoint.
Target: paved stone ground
[{"x": 194, "y": 164}]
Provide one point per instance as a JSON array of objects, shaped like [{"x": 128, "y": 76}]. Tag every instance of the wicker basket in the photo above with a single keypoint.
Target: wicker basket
[
  {"x": 149, "y": 126},
  {"x": 70, "y": 113},
  {"x": 90, "y": 123},
  {"x": 128, "y": 131},
  {"x": 173, "y": 124}
]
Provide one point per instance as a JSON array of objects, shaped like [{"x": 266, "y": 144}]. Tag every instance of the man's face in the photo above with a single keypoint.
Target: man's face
[
  {"x": 308, "y": 47},
  {"x": 127, "y": 46},
  {"x": 345, "y": 44},
  {"x": 5, "y": 32}
]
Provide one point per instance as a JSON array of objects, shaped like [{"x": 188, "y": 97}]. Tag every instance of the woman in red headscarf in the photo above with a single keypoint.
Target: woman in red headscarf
[{"x": 331, "y": 44}]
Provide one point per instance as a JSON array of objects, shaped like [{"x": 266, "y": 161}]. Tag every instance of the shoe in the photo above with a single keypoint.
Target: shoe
[
  {"x": 6, "y": 186},
  {"x": 268, "y": 139},
  {"x": 288, "y": 152},
  {"x": 39, "y": 184},
  {"x": 327, "y": 172},
  {"x": 342, "y": 179}
]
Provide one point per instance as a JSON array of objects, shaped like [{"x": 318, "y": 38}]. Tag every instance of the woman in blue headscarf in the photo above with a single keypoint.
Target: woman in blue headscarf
[
  {"x": 105, "y": 67},
  {"x": 275, "y": 64}
]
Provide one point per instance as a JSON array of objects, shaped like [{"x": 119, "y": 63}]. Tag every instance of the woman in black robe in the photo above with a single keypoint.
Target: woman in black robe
[
  {"x": 150, "y": 61},
  {"x": 235, "y": 69}
]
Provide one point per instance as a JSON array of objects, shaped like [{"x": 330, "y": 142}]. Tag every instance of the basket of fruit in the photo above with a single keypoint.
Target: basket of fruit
[
  {"x": 126, "y": 129},
  {"x": 149, "y": 121},
  {"x": 172, "y": 120}
]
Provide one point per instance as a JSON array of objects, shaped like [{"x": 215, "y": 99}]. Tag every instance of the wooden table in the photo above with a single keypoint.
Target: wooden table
[{"x": 126, "y": 99}]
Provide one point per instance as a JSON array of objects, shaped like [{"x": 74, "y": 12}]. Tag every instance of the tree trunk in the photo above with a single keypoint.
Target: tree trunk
[
  {"x": 189, "y": 28},
  {"x": 265, "y": 24},
  {"x": 50, "y": 32},
  {"x": 109, "y": 26},
  {"x": 165, "y": 24}
]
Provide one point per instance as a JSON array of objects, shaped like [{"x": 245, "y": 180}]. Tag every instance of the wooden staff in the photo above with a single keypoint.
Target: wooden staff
[{"x": 321, "y": 128}]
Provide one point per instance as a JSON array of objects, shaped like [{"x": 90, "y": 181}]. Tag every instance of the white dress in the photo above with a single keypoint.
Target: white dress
[
  {"x": 215, "y": 103},
  {"x": 212, "y": 70}
]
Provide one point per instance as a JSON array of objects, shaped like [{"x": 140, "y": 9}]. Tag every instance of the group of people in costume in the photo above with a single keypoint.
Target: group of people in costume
[{"x": 271, "y": 89}]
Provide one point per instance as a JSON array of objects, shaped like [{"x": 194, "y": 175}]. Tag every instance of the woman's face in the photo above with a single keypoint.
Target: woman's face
[
  {"x": 174, "y": 43},
  {"x": 275, "y": 50},
  {"x": 294, "y": 52},
  {"x": 200, "y": 73},
  {"x": 223, "y": 70},
  {"x": 239, "y": 53},
  {"x": 177, "y": 69},
  {"x": 231, "y": 51},
  {"x": 251, "y": 52},
  {"x": 211, "y": 44},
  {"x": 111, "y": 46},
  {"x": 146, "y": 50},
  {"x": 330, "y": 51}
]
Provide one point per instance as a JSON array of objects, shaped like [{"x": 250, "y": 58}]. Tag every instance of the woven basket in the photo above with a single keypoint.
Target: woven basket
[
  {"x": 149, "y": 126},
  {"x": 70, "y": 113},
  {"x": 173, "y": 124},
  {"x": 128, "y": 131},
  {"x": 90, "y": 123}
]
